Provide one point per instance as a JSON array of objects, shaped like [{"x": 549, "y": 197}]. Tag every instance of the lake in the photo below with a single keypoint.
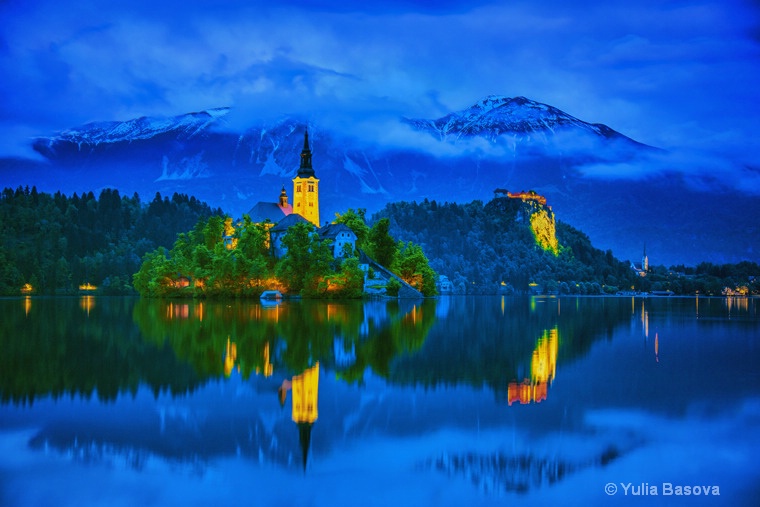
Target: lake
[{"x": 451, "y": 401}]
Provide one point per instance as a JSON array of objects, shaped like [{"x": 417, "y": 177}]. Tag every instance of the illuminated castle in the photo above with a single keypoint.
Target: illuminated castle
[{"x": 530, "y": 195}]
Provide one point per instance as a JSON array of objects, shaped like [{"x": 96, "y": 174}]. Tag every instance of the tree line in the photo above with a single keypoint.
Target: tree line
[{"x": 53, "y": 243}]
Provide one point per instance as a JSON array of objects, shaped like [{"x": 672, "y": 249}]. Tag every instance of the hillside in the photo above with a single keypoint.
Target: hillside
[{"x": 507, "y": 245}]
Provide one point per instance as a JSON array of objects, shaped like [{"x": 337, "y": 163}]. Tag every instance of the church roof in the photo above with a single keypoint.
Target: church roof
[
  {"x": 271, "y": 211},
  {"x": 292, "y": 219}
]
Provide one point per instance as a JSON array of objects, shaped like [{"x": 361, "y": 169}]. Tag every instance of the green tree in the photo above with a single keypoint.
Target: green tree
[
  {"x": 307, "y": 261},
  {"x": 413, "y": 266},
  {"x": 382, "y": 245}
]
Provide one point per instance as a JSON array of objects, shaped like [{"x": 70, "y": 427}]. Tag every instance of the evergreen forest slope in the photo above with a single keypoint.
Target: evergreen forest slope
[{"x": 493, "y": 247}]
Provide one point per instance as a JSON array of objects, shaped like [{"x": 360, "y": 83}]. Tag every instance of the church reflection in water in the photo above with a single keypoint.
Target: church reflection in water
[
  {"x": 304, "y": 389},
  {"x": 543, "y": 368}
]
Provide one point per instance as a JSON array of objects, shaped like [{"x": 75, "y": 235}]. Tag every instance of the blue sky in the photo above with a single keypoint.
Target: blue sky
[{"x": 681, "y": 75}]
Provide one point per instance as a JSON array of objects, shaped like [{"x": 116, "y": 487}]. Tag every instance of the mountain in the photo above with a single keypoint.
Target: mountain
[
  {"x": 496, "y": 116},
  {"x": 499, "y": 142}
]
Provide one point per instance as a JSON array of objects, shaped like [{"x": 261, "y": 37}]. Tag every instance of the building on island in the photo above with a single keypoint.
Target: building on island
[
  {"x": 279, "y": 216},
  {"x": 271, "y": 211},
  {"x": 342, "y": 237},
  {"x": 306, "y": 187}
]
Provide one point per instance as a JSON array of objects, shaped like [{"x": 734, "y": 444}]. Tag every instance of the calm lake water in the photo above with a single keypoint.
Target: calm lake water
[{"x": 454, "y": 401}]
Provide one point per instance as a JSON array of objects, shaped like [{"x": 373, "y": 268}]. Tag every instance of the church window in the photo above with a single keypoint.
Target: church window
[{"x": 311, "y": 187}]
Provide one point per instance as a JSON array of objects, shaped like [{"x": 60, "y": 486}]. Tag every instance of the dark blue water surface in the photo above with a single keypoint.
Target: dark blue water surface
[{"x": 453, "y": 401}]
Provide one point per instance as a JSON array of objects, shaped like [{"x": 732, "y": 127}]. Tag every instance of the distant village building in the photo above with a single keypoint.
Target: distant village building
[
  {"x": 444, "y": 285},
  {"x": 643, "y": 268}
]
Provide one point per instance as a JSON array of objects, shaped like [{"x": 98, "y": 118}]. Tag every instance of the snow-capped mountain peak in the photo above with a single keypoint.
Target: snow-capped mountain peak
[
  {"x": 182, "y": 126},
  {"x": 496, "y": 115}
]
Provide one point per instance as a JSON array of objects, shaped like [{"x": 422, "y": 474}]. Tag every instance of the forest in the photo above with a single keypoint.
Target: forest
[{"x": 53, "y": 244}]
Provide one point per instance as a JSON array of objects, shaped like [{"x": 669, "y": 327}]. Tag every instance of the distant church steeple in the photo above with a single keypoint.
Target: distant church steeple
[
  {"x": 306, "y": 187},
  {"x": 645, "y": 260}
]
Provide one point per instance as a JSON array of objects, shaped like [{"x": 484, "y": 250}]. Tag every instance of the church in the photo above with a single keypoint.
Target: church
[{"x": 305, "y": 208}]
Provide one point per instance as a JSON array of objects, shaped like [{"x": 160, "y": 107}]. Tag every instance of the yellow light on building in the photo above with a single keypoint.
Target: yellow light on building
[{"x": 27, "y": 288}]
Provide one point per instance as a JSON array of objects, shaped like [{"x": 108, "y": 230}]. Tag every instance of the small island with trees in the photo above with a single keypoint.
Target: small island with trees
[{"x": 216, "y": 259}]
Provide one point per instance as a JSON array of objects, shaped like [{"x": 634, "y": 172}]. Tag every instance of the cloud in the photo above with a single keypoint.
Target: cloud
[{"x": 701, "y": 170}]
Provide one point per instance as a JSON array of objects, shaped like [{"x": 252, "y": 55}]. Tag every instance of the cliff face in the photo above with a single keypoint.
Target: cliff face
[
  {"x": 531, "y": 208},
  {"x": 544, "y": 230}
]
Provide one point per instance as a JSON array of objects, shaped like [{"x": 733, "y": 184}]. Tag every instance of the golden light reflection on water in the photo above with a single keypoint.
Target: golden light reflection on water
[
  {"x": 87, "y": 303},
  {"x": 304, "y": 404},
  {"x": 230, "y": 356},
  {"x": 543, "y": 368},
  {"x": 737, "y": 304}
]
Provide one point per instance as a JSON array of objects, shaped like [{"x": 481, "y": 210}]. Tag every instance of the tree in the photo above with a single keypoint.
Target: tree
[
  {"x": 382, "y": 245},
  {"x": 306, "y": 262},
  {"x": 414, "y": 268}
]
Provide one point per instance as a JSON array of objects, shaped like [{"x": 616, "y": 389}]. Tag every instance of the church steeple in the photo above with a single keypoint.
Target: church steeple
[
  {"x": 306, "y": 186},
  {"x": 306, "y": 170}
]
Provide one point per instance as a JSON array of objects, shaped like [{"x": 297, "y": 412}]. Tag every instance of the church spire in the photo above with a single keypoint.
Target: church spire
[{"x": 306, "y": 170}]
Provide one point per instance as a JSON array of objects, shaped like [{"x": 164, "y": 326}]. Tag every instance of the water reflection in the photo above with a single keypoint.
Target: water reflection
[
  {"x": 412, "y": 395},
  {"x": 87, "y": 303},
  {"x": 543, "y": 368},
  {"x": 305, "y": 390}
]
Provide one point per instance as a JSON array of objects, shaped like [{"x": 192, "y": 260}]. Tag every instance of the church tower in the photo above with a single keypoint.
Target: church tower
[
  {"x": 645, "y": 260},
  {"x": 306, "y": 187}
]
